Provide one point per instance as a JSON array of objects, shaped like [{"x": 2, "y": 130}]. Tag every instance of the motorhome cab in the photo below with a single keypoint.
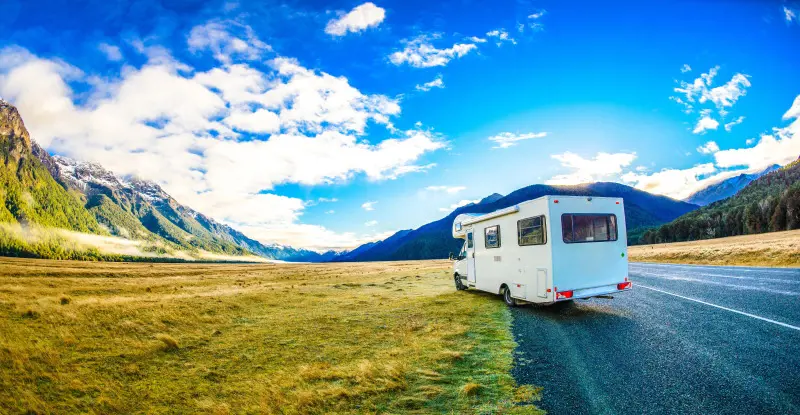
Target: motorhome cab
[{"x": 550, "y": 249}]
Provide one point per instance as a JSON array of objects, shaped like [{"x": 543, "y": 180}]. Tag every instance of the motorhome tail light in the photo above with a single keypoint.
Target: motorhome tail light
[
  {"x": 563, "y": 295},
  {"x": 624, "y": 285}
]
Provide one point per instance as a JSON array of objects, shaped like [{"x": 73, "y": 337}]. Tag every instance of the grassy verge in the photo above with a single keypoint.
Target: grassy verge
[
  {"x": 273, "y": 339},
  {"x": 775, "y": 249}
]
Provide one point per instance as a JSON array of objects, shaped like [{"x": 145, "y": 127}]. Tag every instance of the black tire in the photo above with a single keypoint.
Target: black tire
[
  {"x": 459, "y": 285},
  {"x": 510, "y": 301}
]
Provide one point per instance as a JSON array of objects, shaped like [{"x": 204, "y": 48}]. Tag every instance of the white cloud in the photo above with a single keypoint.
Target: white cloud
[
  {"x": 420, "y": 53},
  {"x": 368, "y": 206},
  {"x": 330, "y": 212},
  {"x": 458, "y": 204},
  {"x": 781, "y": 146},
  {"x": 708, "y": 148},
  {"x": 603, "y": 166},
  {"x": 700, "y": 92},
  {"x": 427, "y": 86},
  {"x": 502, "y": 36},
  {"x": 705, "y": 123},
  {"x": 192, "y": 132},
  {"x": 371, "y": 223},
  {"x": 359, "y": 19},
  {"x": 686, "y": 68},
  {"x": 506, "y": 140},
  {"x": 789, "y": 14},
  {"x": 218, "y": 37},
  {"x": 729, "y": 126},
  {"x": 112, "y": 52},
  {"x": 446, "y": 189},
  {"x": 675, "y": 183},
  {"x": 537, "y": 15},
  {"x": 475, "y": 39}
]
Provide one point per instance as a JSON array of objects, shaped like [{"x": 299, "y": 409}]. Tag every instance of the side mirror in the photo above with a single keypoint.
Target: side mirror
[{"x": 451, "y": 257}]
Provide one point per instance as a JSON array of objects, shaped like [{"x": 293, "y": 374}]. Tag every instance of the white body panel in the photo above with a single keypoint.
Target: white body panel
[{"x": 534, "y": 273}]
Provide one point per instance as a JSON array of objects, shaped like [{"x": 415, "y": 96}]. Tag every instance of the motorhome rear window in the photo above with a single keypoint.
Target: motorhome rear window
[
  {"x": 469, "y": 239},
  {"x": 530, "y": 231},
  {"x": 492, "y": 236},
  {"x": 578, "y": 228}
]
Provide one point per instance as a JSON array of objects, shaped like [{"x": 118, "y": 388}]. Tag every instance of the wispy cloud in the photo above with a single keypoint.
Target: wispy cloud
[
  {"x": 729, "y": 126},
  {"x": 506, "y": 140},
  {"x": 357, "y": 20},
  {"x": 113, "y": 53},
  {"x": 420, "y": 52},
  {"x": 686, "y": 68},
  {"x": 458, "y": 204},
  {"x": 446, "y": 189},
  {"x": 603, "y": 166},
  {"x": 368, "y": 206},
  {"x": 371, "y": 223},
  {"x": 696, "y": 94},
  {"x": 427, "y": 86},
  {"x": 789, "y": 14},
  {"x": 502, "y": 36}
]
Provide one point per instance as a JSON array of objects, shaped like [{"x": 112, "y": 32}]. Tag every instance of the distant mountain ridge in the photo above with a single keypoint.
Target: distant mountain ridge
[
  {"x": 767, "y": 204},
  {"x": 434, "y": 240},
  {"x": 61, "y": 193},
  {"x": 726, "y": 188}
]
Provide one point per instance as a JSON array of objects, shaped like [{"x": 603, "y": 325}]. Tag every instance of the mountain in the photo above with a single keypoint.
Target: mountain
[
  {"x": 769, "y": 203},
  {"x": 726, "y": 188},
  {"x": 434, "y": 240},
  {"x": 46, "y": 194}
]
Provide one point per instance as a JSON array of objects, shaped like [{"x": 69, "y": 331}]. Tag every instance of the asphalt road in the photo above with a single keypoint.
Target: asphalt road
[{"x": 663, "y": 352}]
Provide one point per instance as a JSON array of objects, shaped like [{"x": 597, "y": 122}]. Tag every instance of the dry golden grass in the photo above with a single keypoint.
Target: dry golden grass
[
  {"x": 775, "y": 249},
  {"x": 271, "y": 339}
]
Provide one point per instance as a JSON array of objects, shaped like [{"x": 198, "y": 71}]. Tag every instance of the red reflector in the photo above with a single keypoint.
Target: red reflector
[
  {"x": 617, "y": 202},
  {"x": 555, "y": 201},
  {"x": 624, "y": 285},
  {"x": 563, "y": 295},
  {"x": 549, "y": 290}
]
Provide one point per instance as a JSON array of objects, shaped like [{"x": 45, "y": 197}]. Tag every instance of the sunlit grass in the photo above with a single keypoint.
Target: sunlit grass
[
  {"x": 775, "y": 249},
  {"x": 272, "y": 339}
]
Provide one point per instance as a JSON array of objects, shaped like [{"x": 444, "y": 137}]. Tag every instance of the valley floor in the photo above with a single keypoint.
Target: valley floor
[
  {"x": 775, "y": 249},
  {"x": 82, "y": 337}
]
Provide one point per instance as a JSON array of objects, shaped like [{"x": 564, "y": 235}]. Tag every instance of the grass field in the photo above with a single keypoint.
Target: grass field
[
  {"x": 79, "y": 337},
  {"x": 775, "y": 249}
]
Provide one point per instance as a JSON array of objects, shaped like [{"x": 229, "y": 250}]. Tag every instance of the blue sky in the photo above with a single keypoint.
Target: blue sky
[{"x": 286, "y": 120}]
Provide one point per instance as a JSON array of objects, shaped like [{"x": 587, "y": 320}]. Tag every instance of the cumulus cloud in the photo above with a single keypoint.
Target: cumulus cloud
[
  {"x": 675, "y": 183},
  {"x": 700, "y": 92},
  {"x": 705, "y": 123},
  {"x": 446, "y": 189},
  {"x": 780, "y": 146},
  {"x": 419, "y": 52},
  {"x": 708, "y": 148},
  {"x": 112, "y": 52},
  {"x": 359, "y": 19},
  {"x": 369, "y": 206},
  {"x": 218, "y": 140},
  {"x": 506, "y": 140},
  {"x": 458, "y": 204},
  {"x": 604, "y": 166},
  {"x": 427, "y": 86}
]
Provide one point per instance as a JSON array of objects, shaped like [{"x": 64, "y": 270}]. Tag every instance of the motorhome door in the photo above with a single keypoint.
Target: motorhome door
[{"x": 470, "y": 256}]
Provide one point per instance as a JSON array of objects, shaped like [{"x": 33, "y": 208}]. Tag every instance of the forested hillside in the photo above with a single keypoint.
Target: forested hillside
[{"x": 769, "y": 203}]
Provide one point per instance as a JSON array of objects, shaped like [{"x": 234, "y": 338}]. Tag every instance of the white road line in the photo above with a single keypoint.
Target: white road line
[{"x": 721, "y": 307}]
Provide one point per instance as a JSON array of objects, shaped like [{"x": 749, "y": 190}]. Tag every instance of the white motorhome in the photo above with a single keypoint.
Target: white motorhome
[{"x": 545, "y": 250}]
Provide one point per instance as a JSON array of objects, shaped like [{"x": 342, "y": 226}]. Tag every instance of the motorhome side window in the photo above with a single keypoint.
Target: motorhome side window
[
  {"x": 577, "y": 228},
  {"x": 530, "y": 231},
  {"x": 492, "y": 236}
]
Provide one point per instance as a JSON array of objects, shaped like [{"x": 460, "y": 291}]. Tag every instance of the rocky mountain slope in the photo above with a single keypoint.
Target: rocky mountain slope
[
  {"x": 37, "y": 189},
  {"x": 726, "y": 188}
]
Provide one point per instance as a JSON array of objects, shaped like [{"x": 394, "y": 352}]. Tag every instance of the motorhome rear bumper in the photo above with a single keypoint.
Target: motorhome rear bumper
[{"x": 594, "y": 291}]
